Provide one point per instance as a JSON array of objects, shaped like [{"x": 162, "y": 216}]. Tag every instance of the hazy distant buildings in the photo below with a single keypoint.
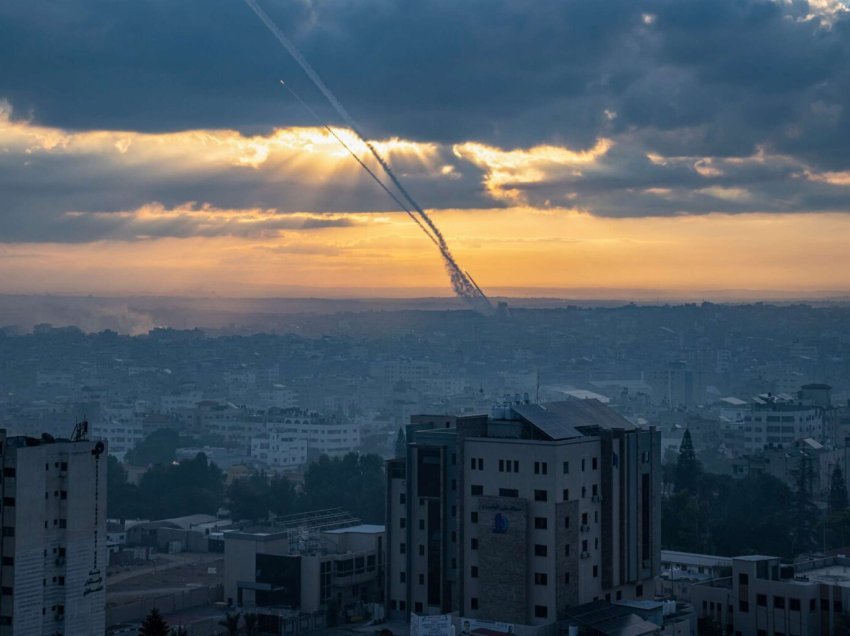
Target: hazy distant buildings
[
  {"x": 517, "y": 516},
  {"x": 53, "y": 550}
]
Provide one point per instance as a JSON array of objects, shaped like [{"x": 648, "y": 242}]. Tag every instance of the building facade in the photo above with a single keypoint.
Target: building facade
[
  {"x": 54, "y": 540},
  {"x": 519, "y": 515}
]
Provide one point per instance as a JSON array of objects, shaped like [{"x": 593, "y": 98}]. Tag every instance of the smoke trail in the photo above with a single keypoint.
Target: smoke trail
[
  {"x": 460, "y": 282},
  {"x": 392, "y": 194}
]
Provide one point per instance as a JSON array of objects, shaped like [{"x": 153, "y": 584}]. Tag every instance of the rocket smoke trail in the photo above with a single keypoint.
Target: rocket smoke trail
[
  {"x": 461, "y": 282},
  {"x": 368, "y": 170}
]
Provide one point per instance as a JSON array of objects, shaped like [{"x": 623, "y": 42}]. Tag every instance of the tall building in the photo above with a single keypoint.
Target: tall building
[
  {"x": 53, "y": 548},
  {"x": 517, "y": 516}
]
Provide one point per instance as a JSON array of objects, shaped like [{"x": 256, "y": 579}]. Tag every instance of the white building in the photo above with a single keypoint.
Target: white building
[
  {"x": 292, "y": 435},
  {"x": 770, "y": 422},
  {"x": 54, "y": 540},
  {"x": 121, "y": 435}
]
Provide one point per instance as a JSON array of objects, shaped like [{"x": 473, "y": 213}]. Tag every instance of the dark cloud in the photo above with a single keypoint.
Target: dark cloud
[
  {"x": 729, "y": 80},
  {"x": 742, "y": 72}
]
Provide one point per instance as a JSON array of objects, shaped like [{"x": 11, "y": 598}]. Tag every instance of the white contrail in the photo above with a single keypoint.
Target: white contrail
[
  {"x": 460, "y": 282},
  {"x": 357, "y": 158}
]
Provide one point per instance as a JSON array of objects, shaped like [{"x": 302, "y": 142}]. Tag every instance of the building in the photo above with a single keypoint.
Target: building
[
  {"x": 517, "y": 516},
  {"x": 764, "y": 597},
  {"x": 773, "y": 422},
  {"x": 54, "y": 540},
  {"x": 120, "y": 434},
  {"x": 295, "y": 435},
  {"x": 305, "y": 563}
]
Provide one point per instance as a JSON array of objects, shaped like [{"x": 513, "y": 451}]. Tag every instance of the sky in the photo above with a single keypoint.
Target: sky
[{"x": 573, "y": 145}]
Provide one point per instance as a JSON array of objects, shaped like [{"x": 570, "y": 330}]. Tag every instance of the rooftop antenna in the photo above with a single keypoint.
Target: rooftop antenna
[{"x": 81, "y": 431}]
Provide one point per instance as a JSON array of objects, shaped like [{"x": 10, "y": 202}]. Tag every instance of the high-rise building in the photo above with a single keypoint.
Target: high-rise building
[
  {"x": 53, "y": 547},
  {"x": 516, "y": 516}
]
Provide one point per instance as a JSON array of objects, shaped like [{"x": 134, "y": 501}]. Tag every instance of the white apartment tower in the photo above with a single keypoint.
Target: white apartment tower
[
  {"x": 517, "y": 516},
  {"x": 53, "y": 548}
]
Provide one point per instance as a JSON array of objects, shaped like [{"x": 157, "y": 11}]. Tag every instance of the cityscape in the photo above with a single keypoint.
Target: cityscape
[{"x": 384, "y": 318}]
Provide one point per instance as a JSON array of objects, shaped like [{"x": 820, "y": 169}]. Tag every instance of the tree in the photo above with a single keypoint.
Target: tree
[
  {"x": 154, "y": 624},
  {"x": 284, "y": 498},
  {"x": 231, "y": 622},
  {"x": 160, "y": 447},
  {"x": 122, "y": 497},
  {"x": 837, "y": 491},
  {"x": 400, "y": 444},
  {"x": 354, "y": 482},
  {"x": 180, "y": 631},
  {"x": 688, "y": 467},
  {"x": 250, "y": 498},
  {"x": 193, "y": 486},
  {"x": 805, "y": 512}
]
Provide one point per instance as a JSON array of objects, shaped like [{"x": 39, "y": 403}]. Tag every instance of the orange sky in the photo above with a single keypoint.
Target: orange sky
[{"x": 246, "y": 252}]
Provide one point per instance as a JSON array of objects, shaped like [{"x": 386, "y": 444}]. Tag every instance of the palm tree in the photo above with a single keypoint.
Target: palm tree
[{"x": 231, "y": 623}]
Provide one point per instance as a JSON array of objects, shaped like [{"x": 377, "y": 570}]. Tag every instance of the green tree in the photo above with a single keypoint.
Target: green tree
[
  {"x": 837, "y": 491},
  {"x": 400, "y": 444},
  {"x": 193, "y": 486},
  {"x": 160, "y": 447},
  {"x": 154, "y": 624},
  {"x": 354, "y": 482},
  {"x": 805, "y": 512},
  {"x": 250, "y": 498},
  {"x": 284, "y": 498},
  {"x": 122, "y": 497},
  {"x": 688, "y": 467}
]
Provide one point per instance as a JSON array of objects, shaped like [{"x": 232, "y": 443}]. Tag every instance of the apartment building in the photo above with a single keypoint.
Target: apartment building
[
  {"x": 765, "y": 597},
  {"x": 53, "y": 548},
  {"x": 517, "y": 516}
]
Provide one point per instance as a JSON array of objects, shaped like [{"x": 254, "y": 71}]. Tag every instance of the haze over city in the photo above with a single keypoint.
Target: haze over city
[{"x": 435, "y": 318}]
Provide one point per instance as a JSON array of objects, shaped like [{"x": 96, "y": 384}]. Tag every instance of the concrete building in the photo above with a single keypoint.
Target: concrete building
[
  {"x": 120, "y": 434},
  {"x": 764, "y": 597},
  {"x": 305, "y": 563},
  {"x": 773, "y": 422},
  {"x": 519, "y": 515},
  {"x": 294, "y": 435},
  {"x": 54, "y": 540}
]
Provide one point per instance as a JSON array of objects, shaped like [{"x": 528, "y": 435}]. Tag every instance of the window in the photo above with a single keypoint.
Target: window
[
  {"x": 541, "y": 611},
  {"x": 593, "y": 463},
  {"x": 421, "y": 579},
  {"x": 541, "y": 495},
  {"x": 794, "y": 604},
  {"x": 402, "y": 498},
  {"x": 584, "y": 545},
  {"x": 595, "y": 571},
  {"x": 541, "y": 523},
  {"x": 582, "y": 464},
  {"x": 743, "y": 578},
  {"x": 402, "y": 548},
  {"x": 6, "y": 591},
  {"x": 508, "y": 492},
  {"x": 639, "y": 590},
  {"x": 402, "y": 523},
  {"x": 8, "y": 501},
  {"x": 743, "y": 606},
  {"x": 566, "y": 494},
  {"x": 566, "y": 578},
  {"x": 421, "y": 550},
  {"x": 9, "y": 531},
  {"x": 473, "y": 544},
  {"x": 566, "y": 468},
  {"x": 477, "y": 490},
  {"x": 541, "y": 578},
  {"x": 761, "y": 600},
  {"x": 541, "y": 468},
  {"x": 595, "y": 490},
  {"x": 501, "y": 465},
  {"x": 779, "y": 602},
  {"x": 540, "y": 550},
  {"x": 421, "y": 524},
  {"x": 473, "y": 572},
  {"x": 473, "y": 603},
  {"x": 473, "y": 517},
  {"x": 417, "y": 606},
  {"x": 583, "y": 492},
  {"x": 567, "y": 549},
  {"x": 402, "y": 577},
  {"x": 516, "y": 466}
]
